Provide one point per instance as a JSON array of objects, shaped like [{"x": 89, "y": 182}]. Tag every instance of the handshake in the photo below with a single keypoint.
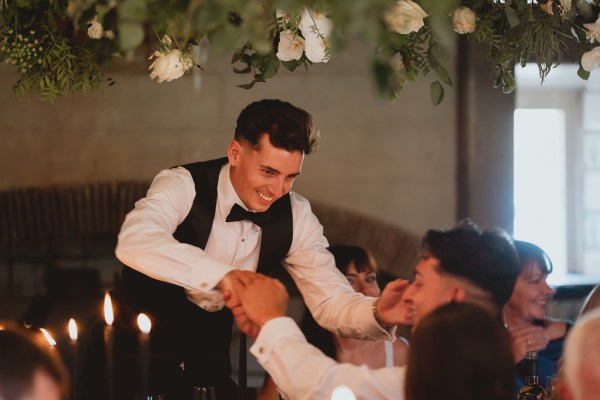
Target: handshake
[{"x": 254, "y": 299}]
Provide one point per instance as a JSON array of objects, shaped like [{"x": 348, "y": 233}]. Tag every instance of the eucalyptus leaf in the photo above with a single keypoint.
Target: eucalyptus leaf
[
  {"x": 440, "y": 52},
  {"x": 133, "y": 10},
  {"x": 270, "y": 67},
  {"x": 242, "y": 71},
  {"x": 382, "y": 73},
  {"x": 247, "y": 85},
  {"x": 442, "y": 72},
  {"x": 583, "y": 74},
  {"x": 131, "y": 35},
  {"x": 437, "y": 93},
  {"x": 511, "y": 16},
  {"x": 291, "y": 65}
]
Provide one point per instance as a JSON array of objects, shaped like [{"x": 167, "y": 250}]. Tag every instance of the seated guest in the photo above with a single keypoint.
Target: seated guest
[
  {"x": 592, "y": 301},
  {"x": 28, "y": 369},
  {"x": 463, "y": 264},
  {"x": 525, "y": 315},
  {"x": 360, "y": 268},
  {"x": 464, "y": 332},
  {"x": 581, "y": 366}
]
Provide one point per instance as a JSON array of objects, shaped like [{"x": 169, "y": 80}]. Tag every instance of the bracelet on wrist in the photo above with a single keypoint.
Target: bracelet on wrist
[{"x": 377, "y": 316}]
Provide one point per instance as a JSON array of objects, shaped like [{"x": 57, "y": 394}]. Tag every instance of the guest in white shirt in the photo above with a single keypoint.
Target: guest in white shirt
[
  {"x": 202, "y": 226},
  {"x": 463, "y": 264}
]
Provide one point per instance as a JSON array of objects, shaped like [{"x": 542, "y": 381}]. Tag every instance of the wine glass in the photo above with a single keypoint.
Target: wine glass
[
  {"x": 204, "y": 393},
  {"x": 550, "y": 385}
]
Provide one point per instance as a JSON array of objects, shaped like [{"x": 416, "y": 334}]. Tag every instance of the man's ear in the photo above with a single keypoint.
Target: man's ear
[
  {"x": 459, "y": 295},
  {"x": 233, "y": 152}
]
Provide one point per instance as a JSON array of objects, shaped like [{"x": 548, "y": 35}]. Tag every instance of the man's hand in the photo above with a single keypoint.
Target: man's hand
[
  {"x": 391, "y": 307},
  {"x": 232, "y": 300},
  {"x": 262, "y": 298}
]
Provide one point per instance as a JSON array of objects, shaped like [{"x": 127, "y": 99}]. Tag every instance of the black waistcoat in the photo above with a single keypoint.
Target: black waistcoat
[{"x": 182, "y": 331}]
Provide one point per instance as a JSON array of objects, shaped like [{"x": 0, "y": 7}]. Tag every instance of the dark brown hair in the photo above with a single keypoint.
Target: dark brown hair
[
  {"x": 20, "y": 357},
  {"x": 460, "y": 352},
  {"x": 529, "y": 252},
  {"x": 487, "y": 258},
  {"x": 345, "y": 254},
  {"x": 288, "y": 127}
]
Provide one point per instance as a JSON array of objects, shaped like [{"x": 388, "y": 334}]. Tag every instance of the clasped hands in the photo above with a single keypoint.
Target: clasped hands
[{"x": 254, "y": 299}]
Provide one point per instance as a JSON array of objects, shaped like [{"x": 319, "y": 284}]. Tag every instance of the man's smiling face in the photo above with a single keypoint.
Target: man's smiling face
[
  {"x": 263, "y": 173},
  {"x": 429, "y": 290}
]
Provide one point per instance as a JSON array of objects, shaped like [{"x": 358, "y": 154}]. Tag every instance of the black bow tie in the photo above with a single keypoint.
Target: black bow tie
[{"x": 239, "y": 214}]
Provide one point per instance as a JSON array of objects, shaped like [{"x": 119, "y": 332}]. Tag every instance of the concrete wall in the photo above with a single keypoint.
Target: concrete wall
[{"x": 392, "y": 161}]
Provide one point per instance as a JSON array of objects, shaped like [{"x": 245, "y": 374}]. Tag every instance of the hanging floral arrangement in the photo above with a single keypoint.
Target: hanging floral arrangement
[{"x": 67, "y": 46}]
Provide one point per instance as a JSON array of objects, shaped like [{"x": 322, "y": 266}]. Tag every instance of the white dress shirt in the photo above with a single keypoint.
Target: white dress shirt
[
  {"x": 146, "y": 244},
  {"x": 303, "y": 372}
]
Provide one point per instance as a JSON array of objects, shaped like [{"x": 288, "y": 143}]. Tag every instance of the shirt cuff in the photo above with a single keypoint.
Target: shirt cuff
[
  {"x": 206, "y": 275},
  {"x": 271, "y": 332},
  {"x": 388, "y": 332}
]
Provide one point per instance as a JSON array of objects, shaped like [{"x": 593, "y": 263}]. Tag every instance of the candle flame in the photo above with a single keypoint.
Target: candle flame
[
  {"x": 108, "y": 310},
  {"x": 72, "y": 329},
  {"x": 144, "y": 323},
  {"x": 342, "y": 392},
  {"x": 48, "y": 337}
]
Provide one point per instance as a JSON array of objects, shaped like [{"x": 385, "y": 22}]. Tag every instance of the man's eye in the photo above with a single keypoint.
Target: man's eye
[
  {"x": 267, "y": 172},
  {"x": 370, "y": 279}
]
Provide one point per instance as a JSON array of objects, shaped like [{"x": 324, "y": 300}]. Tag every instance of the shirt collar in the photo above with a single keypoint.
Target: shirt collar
[{"x": 226, "y": 194}]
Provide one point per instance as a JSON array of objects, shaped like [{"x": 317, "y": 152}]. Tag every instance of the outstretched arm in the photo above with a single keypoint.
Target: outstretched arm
[{"x": 299, "y": 369}]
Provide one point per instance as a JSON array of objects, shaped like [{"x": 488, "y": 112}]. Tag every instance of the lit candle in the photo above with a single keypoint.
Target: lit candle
[
  {"x": 342, "y": 392},
  {"x": 73, "y": 336},
  {"x": 49, "y": 338},
  {"x": 108, "y": 344},
  {"x": 145, "y": 325}
]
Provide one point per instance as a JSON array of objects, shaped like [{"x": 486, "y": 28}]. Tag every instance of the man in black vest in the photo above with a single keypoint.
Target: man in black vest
[{"x": 202, "y": 226}]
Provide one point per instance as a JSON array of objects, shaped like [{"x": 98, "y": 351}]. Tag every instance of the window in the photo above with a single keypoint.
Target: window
[
  {"x": 557, "y": 168},
  {"x": 539, "y": 165}
]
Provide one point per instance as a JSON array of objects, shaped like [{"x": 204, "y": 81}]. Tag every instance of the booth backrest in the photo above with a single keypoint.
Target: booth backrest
[{"x": 76, "y": 225}]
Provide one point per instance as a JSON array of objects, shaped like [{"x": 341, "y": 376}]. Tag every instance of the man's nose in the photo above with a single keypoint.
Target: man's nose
[{"x": 281, "y": 187}]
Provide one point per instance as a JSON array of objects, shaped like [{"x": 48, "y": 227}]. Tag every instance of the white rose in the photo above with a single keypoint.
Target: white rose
[
  {"x": 563, "y": 6},
  {"x": 314, "y": 23},
  {"x": 463, "y": 20},
  {"x": 95, "y": 29},
  {"x": 290, "y": 46},
  {"x": 593, "y": 31},
  {"x": 169, "y": 66},
  {"x": 166, "y": 40},
  {"x": 591, "y": 59},
  {"x": 405, "y": 17},
  {"x": 316, "y": 49},
  {"x": 315, "y": 28}
]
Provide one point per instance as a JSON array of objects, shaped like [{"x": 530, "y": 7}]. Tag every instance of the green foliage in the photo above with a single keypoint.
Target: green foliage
[{"x": 47, "y": 41}]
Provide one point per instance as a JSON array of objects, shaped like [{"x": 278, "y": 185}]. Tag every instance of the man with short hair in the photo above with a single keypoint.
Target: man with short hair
[
  {"x": 28, "y": 370},
  {"x": 202, "y": 226},
  {"x": 463, "y": 264},
  {"x": 582, "y": 359}
]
